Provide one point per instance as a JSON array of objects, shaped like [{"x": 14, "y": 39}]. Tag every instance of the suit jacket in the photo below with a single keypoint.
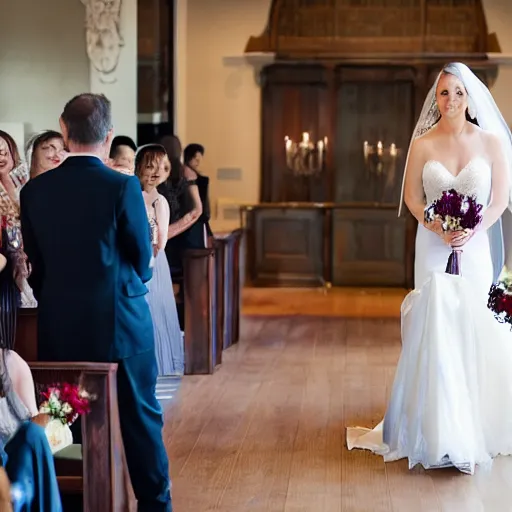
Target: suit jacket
[{"x": 86, "y": 234}]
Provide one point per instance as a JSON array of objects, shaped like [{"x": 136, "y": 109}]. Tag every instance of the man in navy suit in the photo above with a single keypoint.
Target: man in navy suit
[{"x": 86, "y": 234}]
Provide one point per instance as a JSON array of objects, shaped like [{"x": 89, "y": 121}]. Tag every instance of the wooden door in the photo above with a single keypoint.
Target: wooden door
[{"x": 370, "y": 244}]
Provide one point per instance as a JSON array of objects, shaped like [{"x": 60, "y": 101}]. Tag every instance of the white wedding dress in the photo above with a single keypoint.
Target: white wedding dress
[{"x": 451, "y": 401}]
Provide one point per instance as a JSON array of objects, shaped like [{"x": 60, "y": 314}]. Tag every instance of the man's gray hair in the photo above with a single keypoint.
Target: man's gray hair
[{"x": 88, "y": 118}]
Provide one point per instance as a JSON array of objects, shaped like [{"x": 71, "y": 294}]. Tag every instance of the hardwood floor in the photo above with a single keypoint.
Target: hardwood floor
[
  {"x": 266, "y": 432},
  {"x": 345, "y": 302}
]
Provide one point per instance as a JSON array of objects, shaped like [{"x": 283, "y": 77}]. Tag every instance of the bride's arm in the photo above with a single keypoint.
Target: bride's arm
[
  {"x": 414, "y": 195},
  {"x": 500, "y": 183}
]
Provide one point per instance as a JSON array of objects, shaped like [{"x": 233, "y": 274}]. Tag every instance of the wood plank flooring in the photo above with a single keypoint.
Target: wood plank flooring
[{"x": 266, "y": 432}]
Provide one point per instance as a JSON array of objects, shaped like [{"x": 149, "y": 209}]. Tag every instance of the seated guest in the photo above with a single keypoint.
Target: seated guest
[
  {"x": 27, "y": 456},
  {"x": 44, "y": 151},
  {"x": 122, "y": 154}
]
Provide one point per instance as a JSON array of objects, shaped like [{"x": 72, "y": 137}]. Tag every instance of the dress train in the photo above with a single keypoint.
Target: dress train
[{"x": 450, "y": 401}]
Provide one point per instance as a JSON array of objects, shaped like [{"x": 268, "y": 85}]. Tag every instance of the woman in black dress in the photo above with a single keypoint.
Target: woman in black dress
[{"x": 187, "y": 193}]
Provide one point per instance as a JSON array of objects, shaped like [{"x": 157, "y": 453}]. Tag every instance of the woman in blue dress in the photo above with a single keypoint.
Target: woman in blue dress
[{"x": 152, "y": 167}]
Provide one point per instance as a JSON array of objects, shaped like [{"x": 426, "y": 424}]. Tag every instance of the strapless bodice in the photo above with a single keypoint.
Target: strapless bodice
[{"x": 474, "y": 179}]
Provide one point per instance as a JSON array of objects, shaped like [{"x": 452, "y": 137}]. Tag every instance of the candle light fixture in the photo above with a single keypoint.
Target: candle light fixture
[
  {"x": 305, "y": 158},
  {"x": 378, "y": 158}
]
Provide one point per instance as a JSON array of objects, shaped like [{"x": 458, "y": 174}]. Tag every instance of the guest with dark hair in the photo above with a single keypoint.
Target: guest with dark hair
[
  {"x": 122, "y": 154},
  {"x": 189, "y": 227},
  {"x": 87, "y": 237},
  {"x": 193, "y": 156},
  {"x": 44, "y": 151},
  {"x": 172, "y": 145}
]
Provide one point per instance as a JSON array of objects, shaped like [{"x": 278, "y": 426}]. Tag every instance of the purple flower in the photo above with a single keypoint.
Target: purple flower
[{"x": 455, "y": 211}]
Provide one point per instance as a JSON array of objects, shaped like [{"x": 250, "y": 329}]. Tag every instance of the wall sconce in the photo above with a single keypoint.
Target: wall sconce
[
  {"x": 377, "y": 157},
  {"x": 305, "y": 158}
]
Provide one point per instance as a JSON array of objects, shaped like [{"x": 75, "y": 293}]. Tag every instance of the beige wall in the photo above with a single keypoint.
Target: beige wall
[
  {"x": 219, "y": 100},
  {"x": 123, "y": 91},
  {"x": 43, "y": 63}
]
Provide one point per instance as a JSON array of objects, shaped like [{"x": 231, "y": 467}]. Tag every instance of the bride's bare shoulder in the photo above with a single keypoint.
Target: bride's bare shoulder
[
  {"x": 491, "y": 141},
  {"x": 421, "y": 144}
]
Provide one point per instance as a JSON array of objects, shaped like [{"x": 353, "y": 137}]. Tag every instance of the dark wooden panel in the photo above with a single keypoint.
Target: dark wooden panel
[
  {"x": 200, "y": 298},
  {"x": 155, "y": 52},
  {"x": 227, "y": 257},
  {"x": 295, "y": 99},
  {"x": 287, "y": 247},
  {"x": 346, "y": 245},
  {"x": 25, "y": 342},
  {"x": 372, "y": 105},
  {"x": 369, "y": 248}
]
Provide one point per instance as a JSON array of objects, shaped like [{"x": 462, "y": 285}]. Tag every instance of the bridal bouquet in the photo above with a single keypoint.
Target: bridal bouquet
[
  {"x": 63, "y": 403},
  {"x": 500, "y": 297},
  {"x": 457, "y": 212}
]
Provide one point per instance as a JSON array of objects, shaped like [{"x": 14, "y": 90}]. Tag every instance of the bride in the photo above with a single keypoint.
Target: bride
[{"x": 451, "y": 400}]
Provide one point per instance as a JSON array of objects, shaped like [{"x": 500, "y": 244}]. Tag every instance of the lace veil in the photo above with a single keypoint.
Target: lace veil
[
  {"x": 29, "y": 149},
  {"x": 482, "y": 107}
]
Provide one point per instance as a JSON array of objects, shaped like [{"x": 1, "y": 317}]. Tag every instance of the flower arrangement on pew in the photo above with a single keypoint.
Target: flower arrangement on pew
[
  {"x": 63, "y": 403},
  {"x": 500, "y": 297}
]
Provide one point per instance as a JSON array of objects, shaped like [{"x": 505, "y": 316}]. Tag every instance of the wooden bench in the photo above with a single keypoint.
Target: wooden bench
[
  {"x": 202, "y": 353},
  {"x": 96, "y": 468},
  {"x": 211, "y": 301},
  {"x": 228, "y": 267}
]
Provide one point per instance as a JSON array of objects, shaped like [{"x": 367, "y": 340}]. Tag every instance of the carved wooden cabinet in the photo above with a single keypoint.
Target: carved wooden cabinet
[
  {"x": 308, "y": 244},
  {"x": 285, "y": 245}
]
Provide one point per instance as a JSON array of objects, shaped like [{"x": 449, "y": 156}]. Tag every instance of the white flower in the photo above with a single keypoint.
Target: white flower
[
  {"x": 54, "y": 402},
  {"x": 44, "y": 409},
  {"x": 66, "y": 408}
]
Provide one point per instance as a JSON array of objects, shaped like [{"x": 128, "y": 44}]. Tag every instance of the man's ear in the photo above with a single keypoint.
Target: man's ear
[{"x": 109, "y": 138}]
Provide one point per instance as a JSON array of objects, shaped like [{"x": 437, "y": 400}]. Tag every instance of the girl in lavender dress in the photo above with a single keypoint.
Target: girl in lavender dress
[{"x": 151, "y": 165}]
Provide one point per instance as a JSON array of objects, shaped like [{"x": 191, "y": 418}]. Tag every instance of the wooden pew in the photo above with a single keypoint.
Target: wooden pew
[
  {"x": 228, "y": 266},
  {"x": 97, "y": 467},
  {"x": 200, "y": 303},
  {"x": 211, "y": 295}
]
